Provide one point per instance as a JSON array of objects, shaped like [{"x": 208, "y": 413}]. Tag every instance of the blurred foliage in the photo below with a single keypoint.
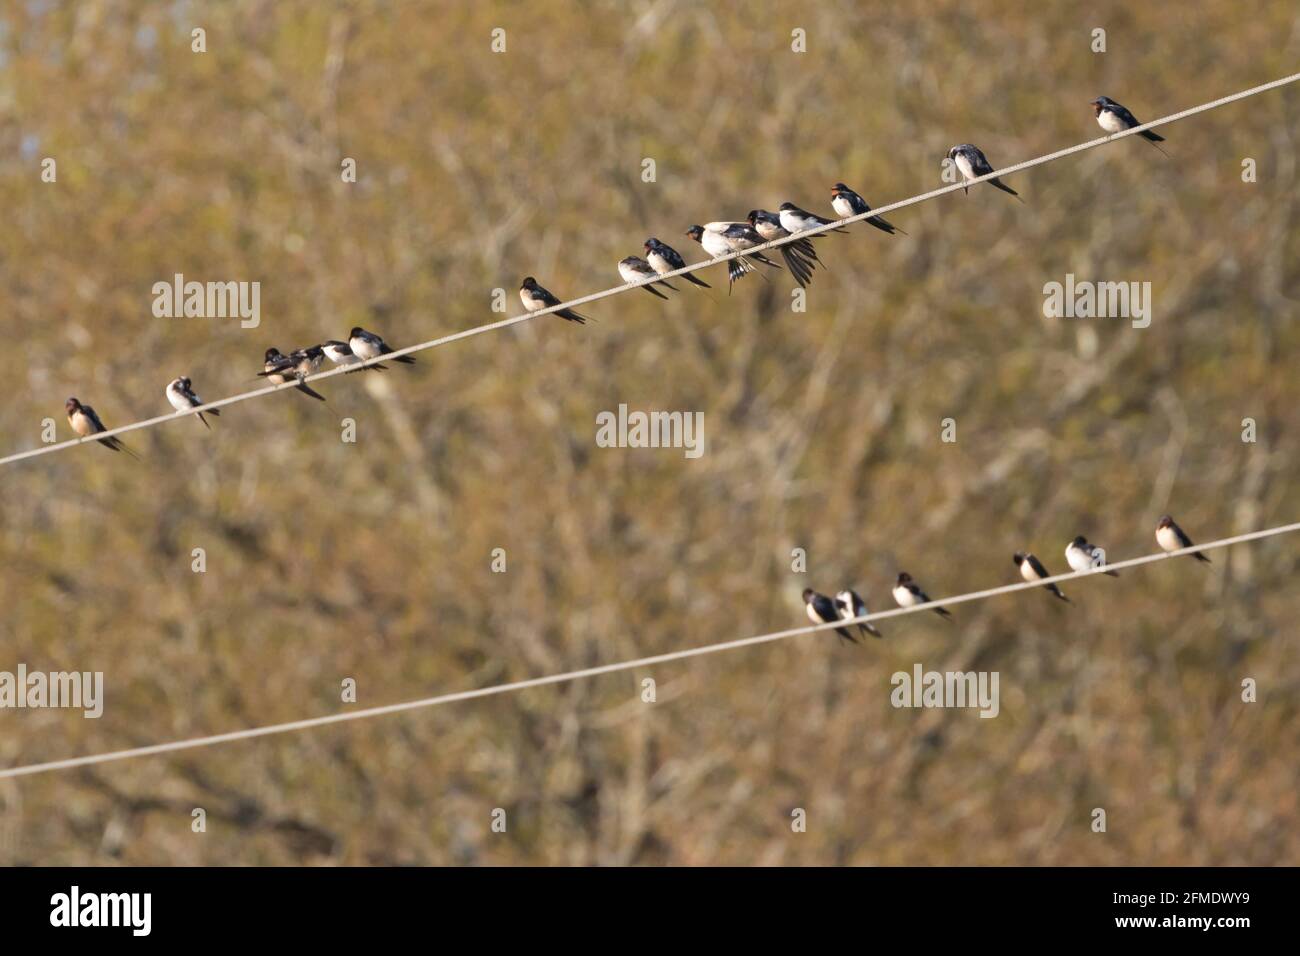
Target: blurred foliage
[{"x": 329, "y": 560}]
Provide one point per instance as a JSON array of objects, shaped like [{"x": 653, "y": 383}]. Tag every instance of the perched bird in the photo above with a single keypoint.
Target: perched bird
[
  {"x": 717, "y": 243},
  {"x": 636, "y": 269},
  {"x": 972, "y": 164},
  {"x": 799, "y": 255},
  {"x": 847, "y": 203},
  {"x": 278, "y": 368},
  {"x": 794, "y": 219},
  {"x": 180, "y": 392},
  {"x": 1114, "y": 118},
  {"x": 851, "y": 605},
  {"x": 822, "y": 610},
  {"x": 85, "y": 422},
  {"x": 1082, "y": 556},
  {"x": 340, "y": 353},
  {"x": 1031, "y": 569},
  {"x": 664, "y": 259},
  {"x": 307, "y": 360},
  {"x": 1170, "y": 537},
  {"x": 535, "y": 297},
  {"x": 366, "y": 345},
  {"x": 909, "y": 594}
]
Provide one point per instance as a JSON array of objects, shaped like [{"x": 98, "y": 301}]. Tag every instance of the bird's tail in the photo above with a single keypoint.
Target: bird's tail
[
  {"x": 1113, "y": 574},
  {"x": 205, "y": 421},
  {"x": 943, "y": 612},
  {"x": 1200, "y": 557},
  {"x": 691, "y": 277},
  {"x": 1004, "y": 187},
  {"x": 655, "y": 292},
  {"x": 214, "y": 411},
  {"x": 1059, "y": 593},
  {"x": 884, "y": 225},
  {"x": 308, "y": 390},
  {"x": 404, "y": 359}
]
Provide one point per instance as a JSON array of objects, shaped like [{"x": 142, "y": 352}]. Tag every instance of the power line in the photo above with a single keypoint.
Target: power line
[
  {"x": 692, "y": 267},
  {"x": 567, "y": 676}
]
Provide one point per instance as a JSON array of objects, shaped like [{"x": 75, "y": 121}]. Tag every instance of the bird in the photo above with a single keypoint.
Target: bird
[
  {"x": 794, "y": 219},
  {"x": 278, "y": 368},
  {"x": 1031, "y": 569},
  {"x": 180, "y": 392},
  {"x": 1115, "y": 118},
  {"x": 847, "y": 203},
  {"x": 664, "y": 259},
  {"x": 367, "y": 345},
  {"x": 799, "y": 255},
  {"x": 1170, "y": 537},
  {"x": 716, "y": 243},
  {"x": 1082, "y": 556},
  {"x": 851, "y": 605},
  {"x": 909, "y": 594},
  {"x": 972, "y": 164},
  {"x": 636, "y": 269},
  {"x": 340, "y": 353},
  {"x": 85, "y": 422},
  {"x": 822, "y": 610},
  {"x": 535, "y": 297},
  {"x": 306, "y": 360}
]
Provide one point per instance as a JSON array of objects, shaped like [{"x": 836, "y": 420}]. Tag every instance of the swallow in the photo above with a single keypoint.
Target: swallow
[
  {"x": 799, "y": 255},
  {"x": 366, "y": 345},
  {"x": 1170, "y": 537},
  {"x": 794, "y": 219},
  {"x": 636, "y": 269},
  {"x": 847, "y": 203},
  {"x": 535, "y": 297},
  {"x": 851, "y": 605},
  {"x": 340, "y": 353},
  {"x": 278, "y": 368},
  {"x": 307, "y": 360},
  {"x": 85, "y": 422},
  {"x": 1031, "y": 569},
  {"x": 907, "y": 593},
  {"x": 1114, "y": 118},
  {"x": 822, "y": 610},
  {"x": 664, "y": 259},
  {"x": 717, "y": 244},
  {"x": 180, "y": 392},
  {"x": 1082, "y": 556},
  {"x": 972, "y": 164}
]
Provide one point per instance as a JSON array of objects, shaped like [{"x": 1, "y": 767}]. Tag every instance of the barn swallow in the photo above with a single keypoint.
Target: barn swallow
[
  {"x": 794, "y": 219},
  {"x": 1031, "y": 569},
  {"x": 85, "y": 422},
  {"x": 909, "y": 594},
  {"x": 1082, "y": 556},
  {"x": 799, "y": 255},
  {"x": 340, "y": 353},
  {"x": 972, "y": 164},
  {"x": 180, "y": 392},
  {"x": 535, "y": 297},
  {"x": 716, "y": 244},
  {"x": 851, "y": 605},
  {"x": 307, "y": 360},
  {"x": 367, "y": 345},
  {"x": 278, "y": 368},
  {"x": 822, "y": 610},
  {"x": 636, "y": 269},
  {"x": 1114, "y": 118},
  {"x": 847, "y": 203},
  {"x": 1170, "y": 537},
  {"x": 664, "y": 259}
]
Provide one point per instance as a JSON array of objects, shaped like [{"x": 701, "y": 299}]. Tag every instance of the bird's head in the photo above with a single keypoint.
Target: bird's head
[
  {"x": 1019, "y": 557},
  {"x": 529, "y": 283},
  {"x": 1079, "y": 541},
  {"x": 1165, "y": 520},
  {"x": 808, "y": 593},
  {"x": 651, "y": 243},
  {"x": 71, "y": 405},
  {"x": 839, "y": 188},
  {"x": 695, "y": 232},
  {"x": 272, "y": 353},
  {"x": 787, "y": 206},
  {"x": 904, "y": 578}
]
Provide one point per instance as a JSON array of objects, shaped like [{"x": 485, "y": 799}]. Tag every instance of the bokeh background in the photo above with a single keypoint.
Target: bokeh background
[{"x": 371, "y": 560}]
